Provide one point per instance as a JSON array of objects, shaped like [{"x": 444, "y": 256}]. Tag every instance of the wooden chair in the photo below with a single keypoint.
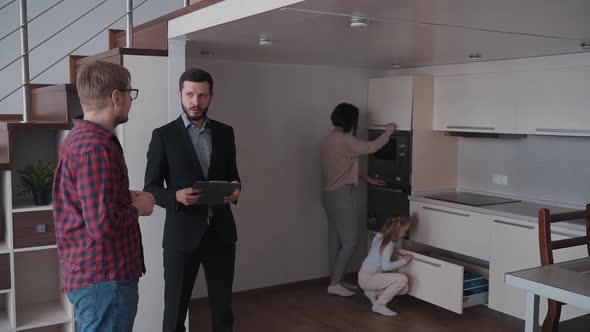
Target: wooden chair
[{"x": 546, "y": 247}]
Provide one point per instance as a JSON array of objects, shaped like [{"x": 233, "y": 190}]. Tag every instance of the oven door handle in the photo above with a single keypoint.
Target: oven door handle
[{"x": 386, "y": 189}]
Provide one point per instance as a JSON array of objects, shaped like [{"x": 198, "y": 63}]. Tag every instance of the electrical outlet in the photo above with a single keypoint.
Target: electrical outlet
[{"x": 500, "y": 179}]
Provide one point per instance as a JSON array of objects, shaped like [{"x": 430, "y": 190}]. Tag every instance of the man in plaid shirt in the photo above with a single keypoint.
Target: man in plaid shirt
[{"x": 96, "y": 215}]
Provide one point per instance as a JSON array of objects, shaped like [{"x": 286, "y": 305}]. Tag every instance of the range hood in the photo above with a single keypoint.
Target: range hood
[{"x": 485, "y": 135}]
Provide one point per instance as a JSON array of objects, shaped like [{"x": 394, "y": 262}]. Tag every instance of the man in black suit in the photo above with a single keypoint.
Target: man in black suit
[{"x": 191, "y": 148}]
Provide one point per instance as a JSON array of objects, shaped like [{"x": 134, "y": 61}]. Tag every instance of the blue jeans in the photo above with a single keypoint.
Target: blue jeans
[{"x": 108, "y": 306}]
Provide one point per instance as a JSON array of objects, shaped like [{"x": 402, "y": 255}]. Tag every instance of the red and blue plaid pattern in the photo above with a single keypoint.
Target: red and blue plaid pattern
[{"x": 96, "y": 227}]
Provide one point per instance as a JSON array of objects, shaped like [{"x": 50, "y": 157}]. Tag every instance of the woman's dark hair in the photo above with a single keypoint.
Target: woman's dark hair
[
  {"x": 195, "y": 75},
  {"x": 345, "y": 116}
]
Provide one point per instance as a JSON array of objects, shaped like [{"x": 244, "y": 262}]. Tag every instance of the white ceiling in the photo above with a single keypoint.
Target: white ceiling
[{"x": 317, "y": 32}]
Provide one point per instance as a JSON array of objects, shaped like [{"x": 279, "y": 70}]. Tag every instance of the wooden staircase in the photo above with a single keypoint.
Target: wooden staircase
[{"x": 54, "y": 106}]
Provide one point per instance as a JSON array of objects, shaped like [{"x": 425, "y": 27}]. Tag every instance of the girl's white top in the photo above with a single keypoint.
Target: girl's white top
[{"x": 377, "y": 262}]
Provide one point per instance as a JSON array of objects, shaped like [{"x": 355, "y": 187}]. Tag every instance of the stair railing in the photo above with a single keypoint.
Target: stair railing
[{"x": 25, "y": 51}]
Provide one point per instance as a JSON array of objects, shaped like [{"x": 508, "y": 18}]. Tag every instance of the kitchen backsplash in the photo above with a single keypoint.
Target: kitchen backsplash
[{"x": 541, "y": 167}]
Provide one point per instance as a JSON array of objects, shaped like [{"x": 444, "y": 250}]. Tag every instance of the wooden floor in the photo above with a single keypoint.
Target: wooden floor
[{"x": 307, "y": 307}]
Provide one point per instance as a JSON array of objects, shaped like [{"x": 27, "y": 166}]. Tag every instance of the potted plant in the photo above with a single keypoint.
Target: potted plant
[{"x": 38, "y": 179}]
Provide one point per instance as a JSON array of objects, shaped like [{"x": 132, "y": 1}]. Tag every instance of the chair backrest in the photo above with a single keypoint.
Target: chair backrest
[{"x": 546, "y": 245}]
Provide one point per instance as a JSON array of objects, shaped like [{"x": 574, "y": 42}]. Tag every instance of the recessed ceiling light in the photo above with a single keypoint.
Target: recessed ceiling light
[
  {"x": 395, "y": 65},
  {"x": 206, "y": 53},
  {"x": 474, "y": 56},
  {"x": 264, "y": 40},
  {"x": 585, "y": 45},
  {"x": 358, "y": 22}
]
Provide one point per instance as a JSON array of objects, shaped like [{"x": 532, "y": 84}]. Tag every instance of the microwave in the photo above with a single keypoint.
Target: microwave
[{"x": 393, "y": 162}]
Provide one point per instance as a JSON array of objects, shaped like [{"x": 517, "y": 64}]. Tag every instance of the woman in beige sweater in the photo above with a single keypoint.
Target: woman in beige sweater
[{"x": 340, "y": 152}]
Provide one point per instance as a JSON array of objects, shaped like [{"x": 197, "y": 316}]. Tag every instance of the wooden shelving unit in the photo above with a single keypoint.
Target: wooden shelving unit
[{"x": 31, "y": 298}]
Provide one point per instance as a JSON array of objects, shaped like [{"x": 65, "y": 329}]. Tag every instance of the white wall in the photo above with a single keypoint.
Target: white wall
[
  {"x": 149, "y": 111},
  {"x": 57, "y": 47},
  {"x": 280, "y": 113},
  {"x": 540, "y": 167}
]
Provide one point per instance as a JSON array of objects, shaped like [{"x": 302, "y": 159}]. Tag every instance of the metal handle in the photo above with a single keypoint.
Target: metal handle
[
  {"x": 513, "y": 224},
  {"x": 449, "y": 212},
  {"x": 387, "y": 189},
  {"x": 564, "y": 130},
  {"x": 471, "y": 127},
  {"x": 402, "y": 154},
  {"x": 563, "y": 234},
  {"x": 426, "y": 262},
  {"x": 42, "y": 228}
]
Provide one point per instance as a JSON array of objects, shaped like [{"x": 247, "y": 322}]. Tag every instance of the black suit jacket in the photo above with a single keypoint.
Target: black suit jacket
[{"x": 171, "y": 158}]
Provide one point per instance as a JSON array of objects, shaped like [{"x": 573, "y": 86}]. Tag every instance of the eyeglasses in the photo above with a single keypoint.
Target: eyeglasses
[{"x": 133, "y": 93}]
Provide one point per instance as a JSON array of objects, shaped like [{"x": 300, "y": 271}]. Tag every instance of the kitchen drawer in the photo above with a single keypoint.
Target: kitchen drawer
[
  {"x": 460, "y": 231},
  {"x": 33, "y": 228},
  {"x": 444, "y": 281},
  {"x": 508, "y": 237},
  {"x": 4, "y": 271}
]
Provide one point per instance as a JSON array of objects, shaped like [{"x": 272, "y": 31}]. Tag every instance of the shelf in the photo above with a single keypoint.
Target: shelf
[
  {"x": 30, "y": 207},
  {"x": 41, "y": 314},
  {"x": 67, "y": 327},
  {"x": 5, "y": 291},
  {"x": 39, "y": 125},
  {"x": 53, "y": 246},
  {"x": 5, "y": 322}
]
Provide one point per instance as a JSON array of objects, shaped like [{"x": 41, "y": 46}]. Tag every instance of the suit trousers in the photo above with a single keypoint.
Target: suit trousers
[{"x": 180, "y": 272}]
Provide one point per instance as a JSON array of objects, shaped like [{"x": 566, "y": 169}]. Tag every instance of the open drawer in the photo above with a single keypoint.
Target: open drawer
[{"x": 444, "y": 281}]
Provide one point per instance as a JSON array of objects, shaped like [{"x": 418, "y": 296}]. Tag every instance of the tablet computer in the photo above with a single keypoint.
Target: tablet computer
[{"x": 214, "y": 191}]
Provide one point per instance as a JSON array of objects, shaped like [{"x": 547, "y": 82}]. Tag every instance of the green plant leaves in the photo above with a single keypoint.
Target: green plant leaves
[{"x": 38, "y": 176}]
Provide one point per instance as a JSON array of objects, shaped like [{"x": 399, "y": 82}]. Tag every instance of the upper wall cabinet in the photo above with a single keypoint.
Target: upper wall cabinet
[
  {"x": 390, "y": 100},
  {"x": 554, "y": 102},
  {"x": 475, "y": 103}
]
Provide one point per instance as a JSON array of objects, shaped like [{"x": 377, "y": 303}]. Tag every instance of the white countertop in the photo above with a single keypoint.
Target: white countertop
[{"x": 524, "y": 210}]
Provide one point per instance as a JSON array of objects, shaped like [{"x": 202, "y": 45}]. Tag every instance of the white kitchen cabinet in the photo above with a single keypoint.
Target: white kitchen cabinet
[
  {"x": 514, "y": 246},
  {"x": 460, "y": 231},
  {"x": 390, "y": 100},
  {"x": 475, "y": 103},
  {"x": 554, "y": 102}
]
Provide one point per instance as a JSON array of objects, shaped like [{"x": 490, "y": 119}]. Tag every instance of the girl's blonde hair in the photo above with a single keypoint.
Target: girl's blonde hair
[{"x": 390, "y": 230}]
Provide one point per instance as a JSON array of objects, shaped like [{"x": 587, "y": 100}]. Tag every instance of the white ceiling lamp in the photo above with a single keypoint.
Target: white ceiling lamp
[
  {"x": 264, "y": 40},
  {"x": 358, "y": 22},
  {"x": 396, "y": 66},
  {"x": 585, "y": 45},
  {"x": 474, "y": 56}
]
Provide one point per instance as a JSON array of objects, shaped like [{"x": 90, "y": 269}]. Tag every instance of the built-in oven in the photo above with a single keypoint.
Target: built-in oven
[
  {"x": 392, "y": 164},
  {"x": 385, "y": 202}
]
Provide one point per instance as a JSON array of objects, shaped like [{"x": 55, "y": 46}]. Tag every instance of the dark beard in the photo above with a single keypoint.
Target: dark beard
[{"x": 195, "y": 118}]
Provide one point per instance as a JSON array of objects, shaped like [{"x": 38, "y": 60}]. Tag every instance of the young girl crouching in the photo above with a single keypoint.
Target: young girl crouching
[{"x": 376, "y": 276}]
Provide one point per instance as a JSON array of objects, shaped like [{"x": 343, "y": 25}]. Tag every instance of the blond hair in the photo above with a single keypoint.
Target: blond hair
[
  {"x": 97, "y": 80},
  {"x": 390, "y": 230}
]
